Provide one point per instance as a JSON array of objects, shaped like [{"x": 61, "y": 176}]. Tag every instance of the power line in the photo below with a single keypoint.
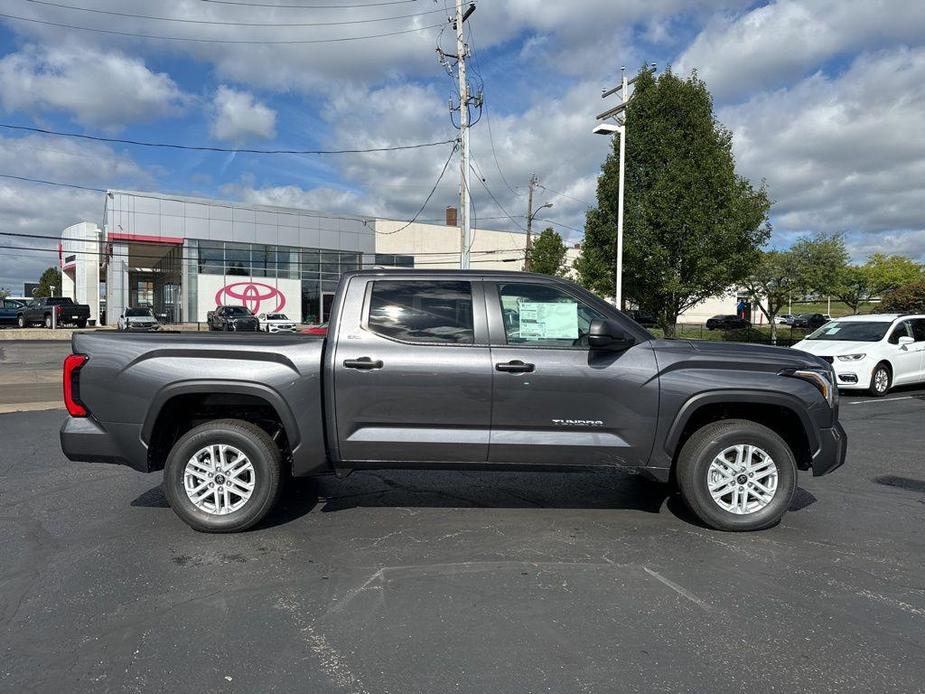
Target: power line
[
  {"x": 427, "y": 199},
  {"x": 205, "y": 148},
  {"x": 307, "y": 7},
  {"x": 560, "y": 224},
  {"x": 499, "y": 205},
  {"x": 181, "y": 20},
  {"x": 158, "y": 37},
  {"x": 565, "y": 195},
  {"x": 51, "y": 183}
]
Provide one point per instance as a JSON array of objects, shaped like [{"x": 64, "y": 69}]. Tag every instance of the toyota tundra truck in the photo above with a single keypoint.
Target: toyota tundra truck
[{"x": 453, "y": 370}]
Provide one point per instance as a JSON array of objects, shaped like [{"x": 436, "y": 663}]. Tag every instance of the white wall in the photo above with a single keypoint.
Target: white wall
[
  {"x": 260, "y": 294},
  {"x": 81, "y": 281},
  {"x": 437, "y": 245}
]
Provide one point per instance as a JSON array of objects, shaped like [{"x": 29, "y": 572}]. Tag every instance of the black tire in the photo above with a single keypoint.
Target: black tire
[
  {"x": 250, "y": 439},
  {"x": 21, "y": 321},
  {"x": 48, "y": 320},
  {"x": 877, "y": 380},
  {"x": 82, "y": 323},
  {"x": 699, "y": 452}
]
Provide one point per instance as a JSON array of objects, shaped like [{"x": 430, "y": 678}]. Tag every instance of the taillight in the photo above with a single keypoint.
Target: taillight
[
  {"x": 58, "y": 309},
  {"x": 72, "y": 365}
]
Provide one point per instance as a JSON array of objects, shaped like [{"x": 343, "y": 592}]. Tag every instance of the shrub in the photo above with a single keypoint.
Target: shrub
[{"x": 910, "y": 298}]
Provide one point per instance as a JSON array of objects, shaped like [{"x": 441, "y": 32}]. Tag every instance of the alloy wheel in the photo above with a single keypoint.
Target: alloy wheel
[
  {"x": 219, "y": 479},
  {"x": 742, "y": 479}
]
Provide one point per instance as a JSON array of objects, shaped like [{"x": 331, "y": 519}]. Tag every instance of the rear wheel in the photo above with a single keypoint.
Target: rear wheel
[
  {"x": 82, "y": 323},
  {"x": 737, "y": 475},
  {"x": 880, "y": 380},
  {"x": 21, "y": 321},
  {"x": 223, "y": 476}
]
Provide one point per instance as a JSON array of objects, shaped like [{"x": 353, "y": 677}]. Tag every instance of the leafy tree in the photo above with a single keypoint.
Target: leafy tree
[
  {"x": 818, "y": 263},
  {"x": 878, "y": 276},
  {"x": 548, "y": 254},
  {"x": 50, "y": 278},
  {"x": 4, "y": 293},
  {"x": 910, "y": 298},
  {"x": 773, "y": 281},
  {"x": 692, "y": 226}
]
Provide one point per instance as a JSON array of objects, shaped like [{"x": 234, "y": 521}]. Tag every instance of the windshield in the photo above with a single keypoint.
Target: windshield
[
  {"x": 237, "y": 311},
  {"x": 137, "y": 312},
  {"x": 276, "y": 316},
  {"x": 852, "y": 331}
]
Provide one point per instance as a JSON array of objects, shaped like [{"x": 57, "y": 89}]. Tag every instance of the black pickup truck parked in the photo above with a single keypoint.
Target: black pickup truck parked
[
  {"x": 39, "y": 312},
  {"x": 451, "y": 369},
  {"x": 233, "y": 318}
]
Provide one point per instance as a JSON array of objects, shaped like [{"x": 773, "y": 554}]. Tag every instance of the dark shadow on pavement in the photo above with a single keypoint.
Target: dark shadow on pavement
[
  {"x": 801, "y": 499},
  {"x": 153, "y": 498},
  {"x": 908, "y": 483}
]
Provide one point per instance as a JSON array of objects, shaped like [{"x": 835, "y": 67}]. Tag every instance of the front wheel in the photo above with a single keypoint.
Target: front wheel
[
  {"x": 21, "y": 321},
  {"x": 48, "y": 321},
  {"x": 880, "y": 381},
  {"x": 223, "y": 476},
  {"x": 737, "y": 475}
]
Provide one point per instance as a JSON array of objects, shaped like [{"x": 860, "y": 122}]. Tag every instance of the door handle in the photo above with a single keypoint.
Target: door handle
[
  {"x": 515, "y": 367},
  {"x": 363, "y": 363}
]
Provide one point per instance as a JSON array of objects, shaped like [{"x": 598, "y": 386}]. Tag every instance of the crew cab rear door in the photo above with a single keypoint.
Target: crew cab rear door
[
  {"x": 412, "y": 370},
  {"x": 555, "y": 401}
]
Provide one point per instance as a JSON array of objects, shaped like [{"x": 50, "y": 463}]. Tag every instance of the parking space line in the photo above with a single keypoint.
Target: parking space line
[
  {"x": 680, "y": 590},
  {"x": 868, "y": 402}
]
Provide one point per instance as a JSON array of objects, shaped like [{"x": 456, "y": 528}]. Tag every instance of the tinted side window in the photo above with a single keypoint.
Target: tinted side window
[
  {"x": 918, "y": 329},
  {"x": 421, "y": 311},
  {"x": 544, "y": 316},
  {"x": 901, "y": 330}
]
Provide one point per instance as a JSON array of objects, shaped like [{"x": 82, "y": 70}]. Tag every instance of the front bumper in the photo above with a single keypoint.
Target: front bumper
[
  {"x": 833, "y": 447},
  {"x": 281, "y": 328}
]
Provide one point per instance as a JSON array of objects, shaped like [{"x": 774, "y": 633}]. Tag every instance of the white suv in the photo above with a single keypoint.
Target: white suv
[{"x": 873, "y": 352}]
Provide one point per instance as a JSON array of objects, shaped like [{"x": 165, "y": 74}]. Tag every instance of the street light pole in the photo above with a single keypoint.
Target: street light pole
[
  {"x": 531, "y": 215},
  {"x": 618, "y": 282}
]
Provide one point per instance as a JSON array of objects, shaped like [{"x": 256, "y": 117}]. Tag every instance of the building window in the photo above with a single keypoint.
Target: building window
[
  {"x": 237, "y": 259},
  {"x": 211, "y": 258},
  {"x": 391, "y": 260},
  {"x": 430, "y": 312}
]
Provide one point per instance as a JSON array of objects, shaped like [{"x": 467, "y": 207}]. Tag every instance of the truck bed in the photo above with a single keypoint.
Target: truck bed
[{"x": 130, "y": 377}]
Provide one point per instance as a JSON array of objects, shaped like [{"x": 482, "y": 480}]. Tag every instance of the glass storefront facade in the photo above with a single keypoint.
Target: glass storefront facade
[{"x": 318, "y": 270}]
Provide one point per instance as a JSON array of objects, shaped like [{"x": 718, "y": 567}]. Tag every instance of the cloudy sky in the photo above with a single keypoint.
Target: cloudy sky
[{"x": 826, "y": 100}]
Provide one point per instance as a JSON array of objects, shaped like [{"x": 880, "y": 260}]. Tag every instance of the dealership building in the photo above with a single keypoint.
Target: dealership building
[{"x": 182, "y": 256}]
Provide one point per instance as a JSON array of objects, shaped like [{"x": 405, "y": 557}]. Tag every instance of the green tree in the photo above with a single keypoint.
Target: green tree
[
  {"x": 910, "y": 298},
  {"x": 50, "y": 278},
  {"x": 818, "y": 264},
  {"x": 880, "y": 275},
  {"x": 4, "y": 293},
  {"x": 692, "y": 226},
  {"x": 774, "y": 279},
  {"x": 548, "y": 254}
]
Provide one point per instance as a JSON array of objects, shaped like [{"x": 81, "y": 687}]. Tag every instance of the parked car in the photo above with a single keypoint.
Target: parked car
[
  {"x": 276, "y": 323},
  {"x": 234, "y": 318},
  {"x": 320, "y": 329},
  {"x": 9, "y": 311},
  {"x": 138, "y": 319},
  {"x": 809, "y": 321},
  {"x": 39, "y": 312},
  {"x": 645, "y": 319},
  {"x": 873, "y": 352},
  {"x": 784, "y": 319},
  {"x": 422, "y": 370},
  {"x": 729, "y": 322}
]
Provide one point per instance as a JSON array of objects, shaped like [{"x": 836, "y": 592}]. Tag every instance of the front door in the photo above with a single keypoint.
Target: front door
[
  {"x": 556, "y": 401},
  {"x": 412, "y": 380},
  {"x": 906, "y": 359}
]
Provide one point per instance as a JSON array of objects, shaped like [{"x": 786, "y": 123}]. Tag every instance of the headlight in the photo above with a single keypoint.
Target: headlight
[
  {"x": 822, "y": 379},
  {"x": 851, "y": 357}
]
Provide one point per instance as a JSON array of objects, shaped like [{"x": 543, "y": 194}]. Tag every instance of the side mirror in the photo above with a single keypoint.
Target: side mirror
[
  {"x": 608, "y": 335},
  {"x": 905, "y": 340}
]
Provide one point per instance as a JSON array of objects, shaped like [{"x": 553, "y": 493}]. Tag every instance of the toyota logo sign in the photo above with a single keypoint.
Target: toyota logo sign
[{"x": 254, "y": 295}]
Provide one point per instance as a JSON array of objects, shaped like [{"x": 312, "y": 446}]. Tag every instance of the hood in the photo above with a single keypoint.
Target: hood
[
  {"x": 728, "y": 354},
  {"x": 831, "y": 348}
]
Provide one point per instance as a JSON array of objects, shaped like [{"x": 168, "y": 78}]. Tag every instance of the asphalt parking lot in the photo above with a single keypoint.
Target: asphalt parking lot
[{"x": 458, "y": 581}]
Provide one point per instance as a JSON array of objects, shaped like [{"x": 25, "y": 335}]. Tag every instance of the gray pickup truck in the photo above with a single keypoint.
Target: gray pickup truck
[{"x": 452, "y": 369}]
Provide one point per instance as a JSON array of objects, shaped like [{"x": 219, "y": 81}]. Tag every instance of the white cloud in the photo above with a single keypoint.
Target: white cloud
[
  {"x": 238, "y": 116},
  {"x": 99, "y": 88},
  {"x": 844, "y": 153},
  {"x": 773, "y": 44},
  {"x": 43, "y": 210}
]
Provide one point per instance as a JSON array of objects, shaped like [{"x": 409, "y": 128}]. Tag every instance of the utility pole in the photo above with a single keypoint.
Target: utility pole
[
  {"x": 465, "y": 230},
  {"x": 531, "y": 214},
  {"x": 529, "y": 245}
]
